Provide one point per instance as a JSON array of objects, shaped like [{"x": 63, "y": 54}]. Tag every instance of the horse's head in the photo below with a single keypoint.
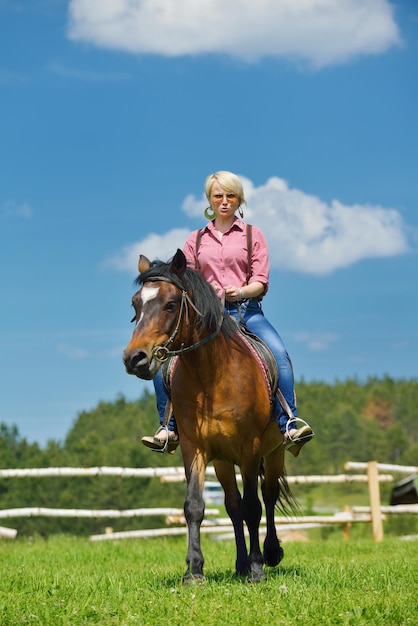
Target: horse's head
[{"x": 162, "y": 317}]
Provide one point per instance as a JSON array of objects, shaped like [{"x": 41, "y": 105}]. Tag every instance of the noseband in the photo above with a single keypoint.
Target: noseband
[{"x": 162, "y": 353}]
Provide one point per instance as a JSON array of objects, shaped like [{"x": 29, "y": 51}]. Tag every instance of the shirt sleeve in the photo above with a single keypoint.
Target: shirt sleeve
[
  {"x": 189, "y": 250},
  {"x": 260, "y": 264}
]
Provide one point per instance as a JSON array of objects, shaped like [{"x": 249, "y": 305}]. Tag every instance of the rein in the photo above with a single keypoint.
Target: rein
[{"x": 162, "y": 353}]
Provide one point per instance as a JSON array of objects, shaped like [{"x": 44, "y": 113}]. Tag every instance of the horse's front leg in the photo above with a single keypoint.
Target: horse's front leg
[
  {"x": 225, "y": 473},
  {"x": 194, "y": 510},
  {"x": 251, "y": 509},
  {"x": 273, "y": 467}
]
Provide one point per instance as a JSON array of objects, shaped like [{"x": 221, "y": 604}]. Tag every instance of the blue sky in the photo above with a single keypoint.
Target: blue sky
[{"x": 111, "y": 116}]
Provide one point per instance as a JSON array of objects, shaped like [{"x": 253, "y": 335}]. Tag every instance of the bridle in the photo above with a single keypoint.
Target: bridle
[{"x": 162, "y": 353}]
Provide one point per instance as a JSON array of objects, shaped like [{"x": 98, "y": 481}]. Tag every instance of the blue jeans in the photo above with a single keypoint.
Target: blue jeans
[
  {"x": 161, "y": 398},
  {"x": 252, "y": 314}
]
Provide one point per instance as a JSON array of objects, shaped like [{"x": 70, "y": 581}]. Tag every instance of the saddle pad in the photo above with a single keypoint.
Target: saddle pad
[
  {"x": 264, "y": 358},
  {"x": 260, "y": 351}
]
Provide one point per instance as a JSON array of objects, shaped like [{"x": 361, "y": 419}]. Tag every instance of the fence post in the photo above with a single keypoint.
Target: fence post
[
  {"x": 374, "y": 493},
  {"x": 346, "y": 525}
]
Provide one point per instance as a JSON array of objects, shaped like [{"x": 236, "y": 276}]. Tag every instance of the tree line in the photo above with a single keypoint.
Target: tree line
[{"x": 352, "y": 421}]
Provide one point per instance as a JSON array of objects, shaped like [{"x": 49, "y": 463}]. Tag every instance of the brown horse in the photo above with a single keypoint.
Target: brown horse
[{"x": 222, "y": 405}]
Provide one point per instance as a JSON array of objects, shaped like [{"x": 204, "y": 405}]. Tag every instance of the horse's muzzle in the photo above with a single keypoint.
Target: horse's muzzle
[{"x": 137, "y": 363}]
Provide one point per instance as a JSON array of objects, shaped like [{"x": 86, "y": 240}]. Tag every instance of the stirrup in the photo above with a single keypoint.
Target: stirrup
[
  {"x": 293, "y": 420},
  {"x": 305, "y": 434},
  {"x": 157, "y": 445}
]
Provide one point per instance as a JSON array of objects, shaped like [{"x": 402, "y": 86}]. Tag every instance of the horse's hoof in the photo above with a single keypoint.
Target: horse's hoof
[
  {"x": 189, "y": 579},
  {"x": 274, "y": 557},
  {"x": 256, "y": 574},
  {"x": 257, "y": 578},
  {"x": 242, "y": 573},
  {"x": 242, "y": 567}
]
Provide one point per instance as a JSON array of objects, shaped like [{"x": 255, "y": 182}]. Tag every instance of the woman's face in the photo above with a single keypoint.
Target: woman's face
[{"x": 224, "y": 203}]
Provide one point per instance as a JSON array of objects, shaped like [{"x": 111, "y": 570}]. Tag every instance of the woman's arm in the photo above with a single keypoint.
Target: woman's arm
[{"x": 253, "y": 290}]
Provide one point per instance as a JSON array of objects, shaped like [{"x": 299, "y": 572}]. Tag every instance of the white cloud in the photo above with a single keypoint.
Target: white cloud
[
  {"x": 89, "y": 75},
  {"x": 10, "y": 77},
  {"x": 304, "y": 233},
  {"x": 24, "y": 210},
  {"x": 320, "y": 32},
  {"x": 307, "y": 235},
  {"x": 316, "y": 342},
  {"x": 11, "y": 209},
  {"x": 72, "y": 352},
  {"x": 77, "y": 353},
  {"x": 153, "y": 246}
]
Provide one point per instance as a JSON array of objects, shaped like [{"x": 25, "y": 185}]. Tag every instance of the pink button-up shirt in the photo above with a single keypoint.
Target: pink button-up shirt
[{"x": 225, "y": 261}]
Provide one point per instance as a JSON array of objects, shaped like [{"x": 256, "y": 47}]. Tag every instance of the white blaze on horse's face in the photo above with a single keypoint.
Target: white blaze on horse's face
[{"x": 147, "y": 294}]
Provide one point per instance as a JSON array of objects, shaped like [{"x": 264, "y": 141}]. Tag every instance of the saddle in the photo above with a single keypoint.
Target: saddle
[
  {"x": 260, "y": 351},
  {"x": 264, "y": 358}
]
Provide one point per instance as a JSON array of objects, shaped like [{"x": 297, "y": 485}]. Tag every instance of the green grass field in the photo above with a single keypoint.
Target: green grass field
[{"x": 67, "y": 580}]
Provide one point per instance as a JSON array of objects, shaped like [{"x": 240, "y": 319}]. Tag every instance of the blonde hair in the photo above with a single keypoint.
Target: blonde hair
[{"x": 227, "y": 181}]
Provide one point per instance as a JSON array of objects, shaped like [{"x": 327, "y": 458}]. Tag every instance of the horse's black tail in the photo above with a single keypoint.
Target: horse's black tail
[{"x": 286, "y": 502}]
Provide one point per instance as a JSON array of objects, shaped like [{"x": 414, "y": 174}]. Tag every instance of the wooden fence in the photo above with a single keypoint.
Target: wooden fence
[{"x": 374, "y": 514}]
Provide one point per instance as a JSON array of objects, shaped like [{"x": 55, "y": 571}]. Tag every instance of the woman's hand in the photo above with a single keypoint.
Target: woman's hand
[
  {"x": 232, "y": 293},
  {"x": 218, "y": 290}
]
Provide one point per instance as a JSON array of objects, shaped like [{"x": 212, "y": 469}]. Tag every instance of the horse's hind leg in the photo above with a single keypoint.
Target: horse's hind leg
[
  {"x": 225, "y": 473},
  {"x": 273, "y": 465},
  {"x": 251, "y": 510},
  {"x": 194, "y": 510}
]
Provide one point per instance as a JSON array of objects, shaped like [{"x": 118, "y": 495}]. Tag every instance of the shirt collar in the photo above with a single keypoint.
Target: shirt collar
[{"x": 237, "y": 224}]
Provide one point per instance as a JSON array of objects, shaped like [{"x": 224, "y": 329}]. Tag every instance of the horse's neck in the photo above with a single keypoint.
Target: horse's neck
[{"x": 210, "y": 360}]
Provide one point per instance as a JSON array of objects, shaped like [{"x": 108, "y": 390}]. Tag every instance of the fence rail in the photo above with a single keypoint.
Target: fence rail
[
  {"x": 373, "y": 514},
  {"x": 168, "y": 474},
  {"x": 41, "y": 511},
  {"x": 385, "y": 467},
  {"x": 126, "y": 472}
]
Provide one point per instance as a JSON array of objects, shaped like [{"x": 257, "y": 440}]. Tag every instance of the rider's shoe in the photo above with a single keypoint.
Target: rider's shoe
[
  {"x": 164, "y": 440},
  {"x": 295, "y": 439}
]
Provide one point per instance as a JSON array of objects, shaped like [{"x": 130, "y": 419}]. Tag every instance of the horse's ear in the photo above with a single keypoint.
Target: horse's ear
[
  {"x": 179, "y": 263},
  {"x": 143, "y": 264}
]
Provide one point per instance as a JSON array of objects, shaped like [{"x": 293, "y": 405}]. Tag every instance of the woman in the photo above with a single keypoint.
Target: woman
[{"x": 239, "y": 268}]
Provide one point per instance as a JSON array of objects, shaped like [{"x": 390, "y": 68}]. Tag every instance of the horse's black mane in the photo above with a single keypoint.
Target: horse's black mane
[{"x": 200, "y": 292}]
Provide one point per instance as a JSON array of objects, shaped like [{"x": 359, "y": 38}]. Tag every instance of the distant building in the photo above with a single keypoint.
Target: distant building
[{"x": 213, "y": 492}]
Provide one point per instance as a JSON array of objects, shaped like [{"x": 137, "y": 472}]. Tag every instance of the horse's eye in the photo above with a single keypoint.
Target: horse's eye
[{"x": 170, "y": 307}]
